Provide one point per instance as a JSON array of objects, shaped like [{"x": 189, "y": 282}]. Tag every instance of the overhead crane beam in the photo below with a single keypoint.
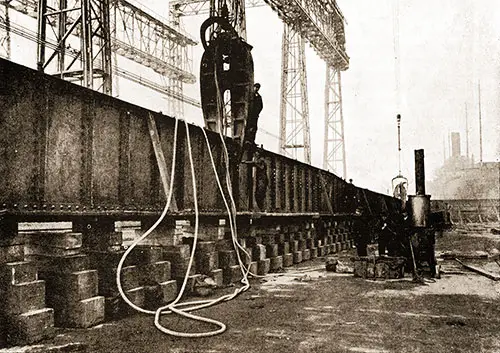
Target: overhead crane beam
[{"x": 134, "y": 32}]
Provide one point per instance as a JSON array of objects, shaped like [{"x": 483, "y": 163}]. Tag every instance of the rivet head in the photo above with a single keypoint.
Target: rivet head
[{"x": 53, "y": 206}]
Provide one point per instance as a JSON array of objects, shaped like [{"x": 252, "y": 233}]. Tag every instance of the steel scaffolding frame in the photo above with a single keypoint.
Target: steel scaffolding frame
[
  {"x": 294, "y": 107},
  {"x": 334, "y": 157},
  {"x": 147, "y": 39},
  {"x": 87, "y": 19}
]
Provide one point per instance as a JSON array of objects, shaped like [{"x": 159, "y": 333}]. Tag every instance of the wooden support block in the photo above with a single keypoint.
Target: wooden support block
[
  {"x": 61, "y": 264},
  {"x": 82, "y": 314},
  {"x": 145, "y": 254},
  {"x": 288, "y": 260},
  {"x": 271, "y": 250},
  {"x": 178, "y": 252},
  {"x": 30, "y": 327},
  {"x": 254, "y": 268},
  {"x": 180, "y": 267},
  {"x": 17, "y": 272},
  {"x": 169, "y": 291},
  {"x": 284, "y": 248},
  {"x": 218, "y": 277},
  {"x": 253, "y": 241},
  {"x": 227, "y": 258},
  {"x": 232, "y": 274},
  {"x": 263, "y": 267},
  {"x": 206, "y": 247},
  {"x": 297, "y": 257},
  {"x": 35, "y": 249},
  {"x": 67, "y": 288},
  {"x": 276, "y": 264},
  {"x": 314, "y": 253},
  {"x": 302, "y": 245},
  {"x": 136, "y": 296},
  {"x": 153, "y": 274},
  {"x": 107, "y": 280},
  {"x": 279, "y": 238},
  {"x": 11, "y": 253},
  {"x": 23, "y": 297},
  {"x": 259, "y": 252},
  {"x": 207, "y": 262},
  {"x": 69, "y": 240},
  {"x": 309, "y": 243},
  {"x": 294, "y": 246},
  {"x": 306, "y": 255}
]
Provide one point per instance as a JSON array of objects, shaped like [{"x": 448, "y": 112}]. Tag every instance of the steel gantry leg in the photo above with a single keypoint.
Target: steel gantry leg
[
  {"x": 294, "y": 109},
  {"x": 87, "y": 62},
  {"x": 5, "y": 29},
  {"x": 334, "y": 147}
]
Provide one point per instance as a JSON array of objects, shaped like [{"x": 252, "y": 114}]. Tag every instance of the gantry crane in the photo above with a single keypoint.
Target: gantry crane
[{"x": 321, "y": 23}]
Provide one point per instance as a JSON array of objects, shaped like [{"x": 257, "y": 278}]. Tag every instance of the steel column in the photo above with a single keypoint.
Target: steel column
[
  {"x": 294, "y": 108},
  {"x": 334, "y": 146}
]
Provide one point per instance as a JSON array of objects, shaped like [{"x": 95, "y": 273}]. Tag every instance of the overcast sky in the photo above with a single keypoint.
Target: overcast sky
[{"x": 446, "y": 48}]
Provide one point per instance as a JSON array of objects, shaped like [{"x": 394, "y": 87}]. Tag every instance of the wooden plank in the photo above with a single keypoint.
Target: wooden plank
[{"x": 160, "y": 159}]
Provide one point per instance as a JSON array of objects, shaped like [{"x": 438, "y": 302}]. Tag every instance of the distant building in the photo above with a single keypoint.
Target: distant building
[{"x": 461, "y": 178}]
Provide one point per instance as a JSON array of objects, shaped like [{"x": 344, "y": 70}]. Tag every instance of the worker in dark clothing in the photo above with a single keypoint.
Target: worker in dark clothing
[
  {"x": 361, "y": 232},
  {"x": 385, "y": 233},
  {"x": 253, "y": 114}
]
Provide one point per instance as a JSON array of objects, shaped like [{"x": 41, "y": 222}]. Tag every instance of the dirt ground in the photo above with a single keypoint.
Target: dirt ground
[{"x": 307, "y": 309}]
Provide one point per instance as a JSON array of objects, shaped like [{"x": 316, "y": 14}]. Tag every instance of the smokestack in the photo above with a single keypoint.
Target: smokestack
[
  {"x": 455, "y": 145},
  {"x": 419, "y": 172}
]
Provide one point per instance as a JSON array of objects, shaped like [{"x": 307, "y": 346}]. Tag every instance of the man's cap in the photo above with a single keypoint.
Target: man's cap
[{"x": 257, "y": 85}]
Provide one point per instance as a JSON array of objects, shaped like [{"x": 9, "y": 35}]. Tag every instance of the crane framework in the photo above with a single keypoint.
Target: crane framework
[
  {"x": 321, "y": 23},
  {"x": 130, "y": 31},
  {"x": 79, "y": 39}
]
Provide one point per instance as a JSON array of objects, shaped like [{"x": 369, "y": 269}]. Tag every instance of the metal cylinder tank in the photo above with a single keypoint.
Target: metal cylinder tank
[{"x": 420, "y": 206}]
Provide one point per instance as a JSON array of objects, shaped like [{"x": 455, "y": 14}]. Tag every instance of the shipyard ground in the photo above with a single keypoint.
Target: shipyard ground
[{"x": 310, "y": 310}]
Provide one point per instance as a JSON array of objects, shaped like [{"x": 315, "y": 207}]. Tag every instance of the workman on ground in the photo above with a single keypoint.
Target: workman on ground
[
  {"x": 385, "y": 233},
  {"x": 253, "y": 114},
  {"x": 361, "y": 232}
]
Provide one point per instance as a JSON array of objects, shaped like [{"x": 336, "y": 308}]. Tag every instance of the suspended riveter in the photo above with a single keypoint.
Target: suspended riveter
[{"x": 226, "y": 69}]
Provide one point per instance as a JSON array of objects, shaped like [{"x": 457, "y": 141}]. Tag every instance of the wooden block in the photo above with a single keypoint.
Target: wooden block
[
  {"x": 314, "y": 252},
  {"x": 173, "y": 253},
  {"x": 144, "y": 254},
  {"x": 17, "y": 272},
  {"x": 288, "y": 260},
  {"x": 284, "y": 248},
  {"x": 206, "y": 262},
  {"x": 297, "y": 257},
  {"x": 30, "y": 327},
  {"x": 263, "y": 267},
  {"x": 254, "y": 268},
  {"x": 306, "y": 255},
  {"x": 259, "y": 252},
  {"x": 206, "y": 247},
  {"x": 227, "y": 258},
  {"x": 169, "y": 291},
  {"x": 82, "y": 314},
  {"x": 294, "y": 246},
  {"x": 61, "y": 264},
  {"x": 271, "y": 250},
  {"x": 69, "y": 288},
  {"x": 179, "y": 268},
  {"x": 302, "y": 245},
  {"x": 360, "y": 268},
  {"x": 279, "y": 238},
  {"x": 107, "y": 280},
  {"x": 36, "y": 249},
  {"x": 23, "y": 297},
  {"x": 218, "y": 277},
  {"x": 11, "y": 253},
  {"x": 129, "y": 277},
  {"x": 253, "y": 241},
  {"x": 276, "y": 264},
  {"x": 154, "y": 273},
  {"x": 232, "y": 274},
  {"x": 66, "y": 241},
  {"x": 321, "y": 251}
]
